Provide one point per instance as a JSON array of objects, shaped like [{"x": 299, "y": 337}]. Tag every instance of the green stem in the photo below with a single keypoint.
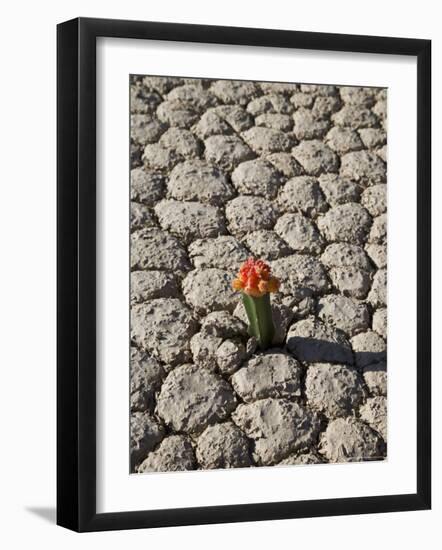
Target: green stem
[{"x": 259, "y": 312}]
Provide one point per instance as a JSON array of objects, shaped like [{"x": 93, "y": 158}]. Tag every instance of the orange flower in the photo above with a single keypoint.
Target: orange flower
[{"x": 255, "y": 278}]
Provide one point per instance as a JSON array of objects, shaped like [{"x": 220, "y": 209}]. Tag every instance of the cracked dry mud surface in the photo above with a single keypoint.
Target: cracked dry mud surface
[{"x": 294, "y": 174}]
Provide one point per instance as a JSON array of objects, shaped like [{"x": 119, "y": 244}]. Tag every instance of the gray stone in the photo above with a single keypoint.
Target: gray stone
[
  {"x": 300, "y": 271},
  {"x": 286, "y": 164},
  {"x": 146, "y": 187},
  {"x": 346, "y": 222},
  {"x": 282, "y": 123},
  {"x": 270, "y": 104},
  {"x": 382, "y": 153},
  {"x": 157, "y": 157},
  {"x": 203, "y": 347},
  {"x": 190, "y": 220},
  {"x": 374, "y": 412},
  {"x": 374, "y": 199},
  {"x": 301, "y": 459},
  {"x": 266, "y": 244},
  {"x": 143, "y": 100},
  {"x": 145, "y": 433},
  {"x": 161, "y": 84},
  {"x": 343, "y": 140},
  {"x": 325, "y": 106},
  {"x": 239, "y": 92},
  {"x": 278, "y": 427},
  {"x": 147, "y": 285},
  {"x": 248, "y": 213},
  {"x": 223, "y": 325},
  {"x": 380, "y": 322},
  {"x": 146, "y": 129},
  {"x": 174, "y": 114},
  {"x": 251, "y": 346},
  {"x": 378, "y": 232},
  {"x": 319, "y": 89},
  {"x": 373, "y": 137},
  {"x": 136, "y": 152},
  {"x": 338, "y": 190},
  {"x": 227, "y": 151},
  {"x": 300, "y": 233},
  {"x": 156, "y": 249},
  {"x": 230, "y": 355},
  {"x": 355, "y": 117},
  {"x": 256, "y": 177},
  {"x": 266, "y": 140},
  {"x": 286, "y": 88},
  {"x": 351, "y": 281},
  {"x": 209, "y": 290},
  {"x": 368, "y": 348},
  {"x": 309, "y": 126},
  {"x": 315, "y": 157},
  {"x": 364, "y": 167},
  {"x": 223, "y": 446},
  {"x": 164, "y": 327},
  {"x": 182, "y": 142},
  {"x": 175, "y": 454},
  {"x": 350, "y": 440},
  {"x": 378, "y": 293},
  {"x": 272, "y": 374},
  {"x": 146, "y": 375},
  {"x": 344, "y": 313},
  {"x": 355, "y": 95},
  {"x": 312, "y": 341},
  {"x": 192, "y": 97},
  {"x": 211, "y": 124},
  {"x": 304, "y": 308},
  {"x": 197, "y": 180},
  {"x": 378, "y": 254},
  {"x": 204, "y": 83},
  {"x": 346, "y": 255},
  {"x": 335, "y": 390},
  {"x": 300, "y": 100},
  {"x": 350, "y": 269},
  {"x": 192, "y": 398},
  {"x": 302, "y": 194},
  {"x": 235, "y": 116},
  {"x": 140, "y": 216},
  {"x": 224, "y": 252},
  {"x": 380, "y": 109},
  {"x": 375, "y": 377}
]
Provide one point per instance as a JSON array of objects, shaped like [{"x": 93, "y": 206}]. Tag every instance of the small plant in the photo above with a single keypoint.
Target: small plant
[{"x": 256, "y": 283}]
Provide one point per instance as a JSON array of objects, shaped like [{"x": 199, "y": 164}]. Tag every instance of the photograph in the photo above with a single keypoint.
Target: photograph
[
  {"x": 258, "y": 274},
  {"x": 220, "y": 282}
]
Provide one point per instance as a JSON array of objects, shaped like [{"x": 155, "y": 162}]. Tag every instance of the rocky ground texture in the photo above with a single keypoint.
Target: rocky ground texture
[{"x": 293, "y": 174}]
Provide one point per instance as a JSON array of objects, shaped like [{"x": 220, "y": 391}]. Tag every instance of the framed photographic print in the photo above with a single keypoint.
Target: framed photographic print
[{"x": 231, "y": 202}]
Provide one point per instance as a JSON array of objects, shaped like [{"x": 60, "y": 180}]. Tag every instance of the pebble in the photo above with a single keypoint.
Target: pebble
[
  {"x": 313, "y": 341},
  {"x": 192, "y": 399},
  {"x": 278, "y": 428},
  {"x": 163, "y": 327},
  {"x": 350, "y": 440},
  {"x": 223, "y": 446},
  {"x": 210, "y": 289},
  {"x": 315, "y": 157},
  {"x": 174, "y": 454},
  {"x": 335, "y": 390},
  {"x": 272, "y": 374}
]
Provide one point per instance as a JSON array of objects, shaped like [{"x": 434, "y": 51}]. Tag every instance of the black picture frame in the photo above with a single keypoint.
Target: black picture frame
[{"x": 77, "y": 287}]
